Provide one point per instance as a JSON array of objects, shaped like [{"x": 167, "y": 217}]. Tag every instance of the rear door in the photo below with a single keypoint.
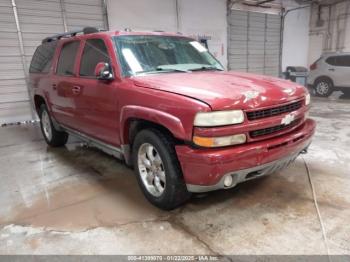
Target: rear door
[
  {"x": 97, "y": 99},
  {"x": 339, "y": 70},
  {"x": 343, "y": 71},
  {"x": 64, "y": 83}
]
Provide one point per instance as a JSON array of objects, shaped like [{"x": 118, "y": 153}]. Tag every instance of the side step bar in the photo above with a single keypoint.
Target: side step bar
[{"x": 92, "y": 142}]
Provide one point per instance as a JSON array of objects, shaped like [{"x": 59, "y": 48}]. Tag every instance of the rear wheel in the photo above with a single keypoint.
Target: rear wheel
[
  {"x": 323, "y": 87},
  {"x": 158, "y": 170},
  {"x": 52, "y": 136}
]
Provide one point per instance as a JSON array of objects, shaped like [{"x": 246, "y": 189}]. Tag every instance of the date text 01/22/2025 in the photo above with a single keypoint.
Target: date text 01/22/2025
[{"x": 173, "y": 258}]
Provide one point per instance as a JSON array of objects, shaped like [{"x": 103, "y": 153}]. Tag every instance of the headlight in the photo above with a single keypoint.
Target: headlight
[
  {"x": 219, "y": 118},
  {"x": 219, "y": 141},
  {"x": 307, "y": 99}
]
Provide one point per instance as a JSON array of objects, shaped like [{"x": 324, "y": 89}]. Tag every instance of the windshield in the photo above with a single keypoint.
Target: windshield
[{"x": 162, "y": 54}]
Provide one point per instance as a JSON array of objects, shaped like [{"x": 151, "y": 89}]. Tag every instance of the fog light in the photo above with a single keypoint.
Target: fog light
[{"x": 228, "y": 181}]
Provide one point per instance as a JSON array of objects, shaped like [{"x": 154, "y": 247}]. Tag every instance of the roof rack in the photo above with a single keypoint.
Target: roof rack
[{"x": 85, "y": 31}]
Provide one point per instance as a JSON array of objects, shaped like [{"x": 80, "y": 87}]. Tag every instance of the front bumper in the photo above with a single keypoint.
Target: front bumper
[{"x": 205, "y": 169}]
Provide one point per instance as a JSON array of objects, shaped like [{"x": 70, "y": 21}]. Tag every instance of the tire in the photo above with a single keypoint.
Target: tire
[
  {"x": 52, "y": 136},
  {"x": 323, "y": 87},
  {"x": 158, "y": 170}
]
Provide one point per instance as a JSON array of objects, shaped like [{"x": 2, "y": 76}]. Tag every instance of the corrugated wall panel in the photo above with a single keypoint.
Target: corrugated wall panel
[
  {"x": 238, "y": 40},
  {"x": 254, "y": 42},
  {"x": 38, "y": 19},
  {"x": 84, "y": 13},
  {"x": 14, "y": 104}
]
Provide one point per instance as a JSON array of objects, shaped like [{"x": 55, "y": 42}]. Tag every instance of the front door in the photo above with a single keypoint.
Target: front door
[{"x": 96, "y": 103}]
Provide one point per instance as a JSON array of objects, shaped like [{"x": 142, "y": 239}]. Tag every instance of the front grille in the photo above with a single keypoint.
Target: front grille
[
  {"x": 254, "y": 115},
  {"x": 273, "y": 129}
]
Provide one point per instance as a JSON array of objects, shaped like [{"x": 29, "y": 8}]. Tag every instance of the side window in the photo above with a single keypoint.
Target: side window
[
  {"x": 42, "y": 58},
  {"x": 95, "y": 51},
  {"x": 339, "y": 60},
  {"x": 343, "y": 60},
  {"x": 67, "y": 58},
  {"x": 332, "y": 60}
]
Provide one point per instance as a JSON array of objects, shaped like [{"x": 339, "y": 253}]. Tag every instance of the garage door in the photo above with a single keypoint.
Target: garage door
[
  {"x": 37, "y": 19},
  {"x": 254, "y": 42}
]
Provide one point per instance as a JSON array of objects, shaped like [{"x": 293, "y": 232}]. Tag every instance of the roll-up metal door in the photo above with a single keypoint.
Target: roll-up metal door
[
  {"x": 81, "y": 13},
  {"x": 36, "y": 20},
  {"x": 14, "y": 104},
  {"x": 254, "y": 42}
]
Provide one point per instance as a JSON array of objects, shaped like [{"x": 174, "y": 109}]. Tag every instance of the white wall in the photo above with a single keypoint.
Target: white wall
[
  {"x": 333, "y": 33},
  {"x": 195, "y": 18},
  {"x": 142, "y": 15},
  {"x": 296, "y": 38},
  {"x": 206, "y": 18}
]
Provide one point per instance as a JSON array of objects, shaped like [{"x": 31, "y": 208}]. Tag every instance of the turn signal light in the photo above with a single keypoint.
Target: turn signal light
[{"x": 220, "y": 141}]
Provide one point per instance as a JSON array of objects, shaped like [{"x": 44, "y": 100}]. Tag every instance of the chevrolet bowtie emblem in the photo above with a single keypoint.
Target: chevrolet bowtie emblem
[{"x": 287, "y": 119}]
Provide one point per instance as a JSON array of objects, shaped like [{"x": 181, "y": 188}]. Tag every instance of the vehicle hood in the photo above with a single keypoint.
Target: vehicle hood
[{"x": 225, "y": 90}]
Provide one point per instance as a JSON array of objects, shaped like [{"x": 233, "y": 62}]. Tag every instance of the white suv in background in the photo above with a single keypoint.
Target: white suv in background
[{"x": 329, "y": 73}]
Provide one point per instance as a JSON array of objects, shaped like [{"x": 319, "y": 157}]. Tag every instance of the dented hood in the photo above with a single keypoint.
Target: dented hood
[{"x": 225, "y": 90}]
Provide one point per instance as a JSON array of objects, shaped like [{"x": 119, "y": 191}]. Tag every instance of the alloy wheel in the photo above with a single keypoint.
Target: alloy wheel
[
  {"x": 322, "y": 88},
  {"x": 46, "y": 124},
  {"x": 151, "y": 169}
]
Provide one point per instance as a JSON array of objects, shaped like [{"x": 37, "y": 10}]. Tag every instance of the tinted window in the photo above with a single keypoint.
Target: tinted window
[
  {"x": 67, "y": 58},
  {"x": 42, "y": 58},
  {"x": 339, "y": 60},
  {"x": 343, "y": 60},
  {"x": 95, "y": 51},
  {"x": 331, "y": 60}
]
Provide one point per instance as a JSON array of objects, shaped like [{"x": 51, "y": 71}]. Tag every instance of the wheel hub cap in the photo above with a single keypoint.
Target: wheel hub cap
[
  {"x": 46, "y": 124},
  {"x": 322, "y": 88},
  {"x": 151, "y": 169}
]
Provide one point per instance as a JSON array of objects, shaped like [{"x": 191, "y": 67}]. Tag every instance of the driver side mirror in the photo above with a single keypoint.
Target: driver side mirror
[{"x": 103, "y": 71}]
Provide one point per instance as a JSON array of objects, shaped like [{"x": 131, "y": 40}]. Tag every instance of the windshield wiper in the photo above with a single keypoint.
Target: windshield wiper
[
  {"x": 167, "y": 69},
  {"x": 161, "y": 70},
  {"x": 206, "y": 68}
]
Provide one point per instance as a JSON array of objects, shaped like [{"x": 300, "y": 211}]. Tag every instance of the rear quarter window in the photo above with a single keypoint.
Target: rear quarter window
[
  {"x": 332, "y": 60},
  {"x": 42, "y": 58}
]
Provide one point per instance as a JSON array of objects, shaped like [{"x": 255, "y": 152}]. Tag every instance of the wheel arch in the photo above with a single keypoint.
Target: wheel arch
[
  {"x": 136, "y": 118},
  {"x": 323, "y": 77}
]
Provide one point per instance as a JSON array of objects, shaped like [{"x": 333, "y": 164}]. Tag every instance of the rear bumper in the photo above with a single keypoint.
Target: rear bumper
[{"x": 205, "y": 169}]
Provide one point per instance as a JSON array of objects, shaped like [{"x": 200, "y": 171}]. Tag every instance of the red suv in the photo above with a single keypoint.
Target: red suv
[{"x": 165, "y": 105}]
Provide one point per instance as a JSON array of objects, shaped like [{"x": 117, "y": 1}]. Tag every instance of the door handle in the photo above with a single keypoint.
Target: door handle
[
  {"x": 331, "y": 69},
  {"x": 54, "y": 86},
  {"x": 76, "y": 90}
]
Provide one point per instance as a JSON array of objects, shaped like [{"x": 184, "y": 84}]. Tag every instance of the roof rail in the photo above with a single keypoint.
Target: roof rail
[{"x": 85, "y": 31}]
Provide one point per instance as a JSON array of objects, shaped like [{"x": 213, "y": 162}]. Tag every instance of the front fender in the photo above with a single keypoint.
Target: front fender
[{"x": 172, "y": 123}]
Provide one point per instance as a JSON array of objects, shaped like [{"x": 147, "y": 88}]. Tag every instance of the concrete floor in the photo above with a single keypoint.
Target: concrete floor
[{"x": 77, "y": 200}]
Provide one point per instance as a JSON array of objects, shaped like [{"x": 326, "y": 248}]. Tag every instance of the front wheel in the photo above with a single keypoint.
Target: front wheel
[
  {"x": 52, "y": 136},
  {"x": 158, "y": 170}
]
